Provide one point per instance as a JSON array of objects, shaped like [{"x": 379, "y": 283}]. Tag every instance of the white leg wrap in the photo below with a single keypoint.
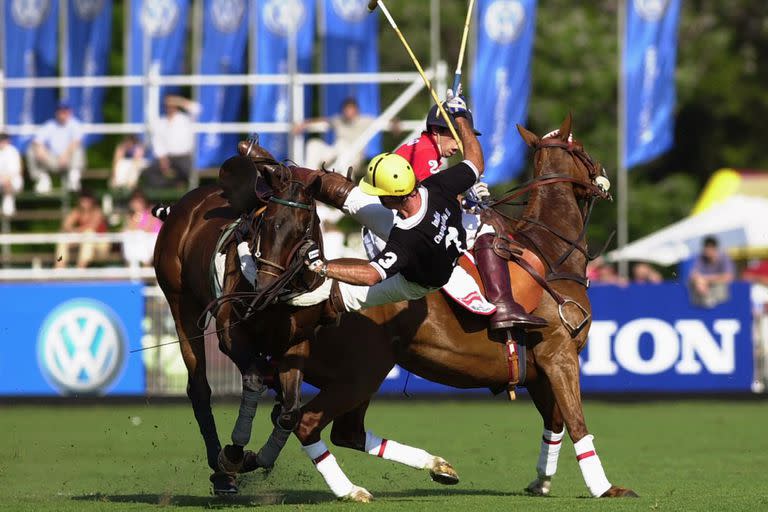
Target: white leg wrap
[
  {"x": 252, "y": 390},
  {"x": 591, "y": 467},
  {"x": 550, "y": 451},
  {"x": 394, "y": 451},
  {"x": 326, "y": 464}
]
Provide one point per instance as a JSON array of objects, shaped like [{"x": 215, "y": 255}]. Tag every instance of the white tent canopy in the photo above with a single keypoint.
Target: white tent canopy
[{"x": 740, "y": 221}]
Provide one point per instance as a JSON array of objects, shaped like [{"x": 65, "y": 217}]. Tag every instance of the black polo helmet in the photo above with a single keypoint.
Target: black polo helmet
[{"x": 435, "y": 119}]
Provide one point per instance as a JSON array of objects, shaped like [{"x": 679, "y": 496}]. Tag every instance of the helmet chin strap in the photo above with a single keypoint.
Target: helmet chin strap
[{"x": 439, "y": 146}]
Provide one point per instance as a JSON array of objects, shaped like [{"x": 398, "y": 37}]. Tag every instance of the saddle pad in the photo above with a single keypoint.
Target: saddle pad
[
  {"x": 463, "y": 289},
  {"x": 218, "y": 261}
]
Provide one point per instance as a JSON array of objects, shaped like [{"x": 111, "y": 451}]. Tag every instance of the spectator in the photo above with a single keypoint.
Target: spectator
[
  {"x": 11, "y": 180},
  {"x": 600, "y": 271},
  {"x": 127, "y": 163},
  {"x": 57, "y": 148},
  {"x": 643, "y": 273},
  {"x": 173, "y": 141},
  {"x": 347, "y": 127},
  {"x": 85, "y": 218},
  {"x": 712, "y": 273},
  {"x": 140, "y": 231}
]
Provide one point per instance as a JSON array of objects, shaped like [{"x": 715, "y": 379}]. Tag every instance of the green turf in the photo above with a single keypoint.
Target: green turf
[{"x": 676, "y": 455}]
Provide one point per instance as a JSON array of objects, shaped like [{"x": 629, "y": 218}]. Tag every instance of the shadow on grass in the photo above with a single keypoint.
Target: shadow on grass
[{"x": 287, "y": 497}]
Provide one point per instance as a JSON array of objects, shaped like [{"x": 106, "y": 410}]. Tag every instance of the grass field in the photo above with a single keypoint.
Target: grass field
[{"x": 676, "y": 455}]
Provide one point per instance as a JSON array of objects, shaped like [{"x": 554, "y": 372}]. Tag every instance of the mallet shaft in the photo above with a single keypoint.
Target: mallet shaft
[{"x": 462, "y": 49}]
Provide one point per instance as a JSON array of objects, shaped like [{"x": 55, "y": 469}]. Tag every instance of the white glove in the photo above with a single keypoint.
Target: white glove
[
  {"x": 450, "y": 94},
  {"x": 455, "y": 104},
  {"x": 479, "y": 192}
]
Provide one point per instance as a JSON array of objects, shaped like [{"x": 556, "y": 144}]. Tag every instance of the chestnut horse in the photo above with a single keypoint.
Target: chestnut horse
[{"x": 437, "y": 340}]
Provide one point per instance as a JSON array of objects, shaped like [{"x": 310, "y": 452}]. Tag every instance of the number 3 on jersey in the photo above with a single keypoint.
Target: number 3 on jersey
[{"x": 387, "y": 260}]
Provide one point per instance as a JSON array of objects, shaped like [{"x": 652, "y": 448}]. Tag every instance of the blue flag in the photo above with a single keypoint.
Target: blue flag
[
  {"x": 162, "y": 25},
  {"x": 275, "y": 21},
  {"x": 351, "y": 46},
  {"x": 650, "y": 53},
  {"x": 501, "y": 83},
  {"x": 30, "y": 43},
  {"x": 225, "y": 37},
  {"x": 89, "y": 33}
]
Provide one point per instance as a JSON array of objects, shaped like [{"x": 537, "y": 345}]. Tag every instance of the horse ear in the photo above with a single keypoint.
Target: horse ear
[
  {"x": 528, "y": 136},
  {"x": 565, "y": 129}
]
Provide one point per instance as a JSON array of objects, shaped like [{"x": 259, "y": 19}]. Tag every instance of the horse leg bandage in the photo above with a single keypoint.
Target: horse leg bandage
[
  {"x": 591, "y": 467},
  {"x": 252, "y": 390},
  {"x": 269, "y": 453},
  {"x": 549, "y": 453},
  {"x": 326, "y": 464},
  {"x": 394, "y": 451}
]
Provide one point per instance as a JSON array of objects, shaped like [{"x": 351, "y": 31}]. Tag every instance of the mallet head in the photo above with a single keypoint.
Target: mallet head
[{"x": 372, "y": 5}]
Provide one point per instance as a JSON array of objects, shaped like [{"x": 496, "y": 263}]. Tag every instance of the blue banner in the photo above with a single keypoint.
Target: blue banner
[
  {"x": 89, "y": 34},
  {"x": 71, "y": 339},
  {"x": 649, "y": 338},
  {"x": 31, "y": 49},
  {"x": 158, "y": 30},
  {"x": 501, "y": 83},
  {"x": 276, "y": 20},
  {"x": 351, "y": 46},
  {"x": 650, "y": 52},
  {"x": 225, "y": 37}
]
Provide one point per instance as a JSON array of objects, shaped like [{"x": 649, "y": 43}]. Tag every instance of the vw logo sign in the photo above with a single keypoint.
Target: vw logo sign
[
  {"x": 283, "y": 17},
  {"x": 504, "y": 20},
  {"x": 88, "y": 9},
  {"x": 159, "y": 17},
  {"x": 651, "y": 10},
  {"x": 81, "y": 347},
  {"x": 29, "y": 13},
  {"x": 351, "y": 10},
  {"x": 227, "y": 14}
]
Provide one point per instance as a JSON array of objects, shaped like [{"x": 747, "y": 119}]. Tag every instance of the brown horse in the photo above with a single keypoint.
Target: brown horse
[
  {"x": 250, "y": 323},
  {"x": 437, "y": 340}
]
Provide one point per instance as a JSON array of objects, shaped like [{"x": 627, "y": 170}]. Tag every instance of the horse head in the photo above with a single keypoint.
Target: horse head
[
  {"x": 288, "y": 221},
  {"x": 559, "y": 157}
]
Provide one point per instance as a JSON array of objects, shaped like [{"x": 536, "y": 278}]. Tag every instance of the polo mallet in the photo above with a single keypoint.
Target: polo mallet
[
  {"x": 460, "y": 63},
  {"x": 372, "y": 7}
]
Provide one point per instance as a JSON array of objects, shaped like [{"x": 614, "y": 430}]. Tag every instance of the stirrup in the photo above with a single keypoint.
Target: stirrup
[{"x": 573, "y": 329}]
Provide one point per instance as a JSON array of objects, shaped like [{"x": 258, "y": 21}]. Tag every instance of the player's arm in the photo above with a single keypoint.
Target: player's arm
[
  {"x": 473, "y": 152},
  {"x": 352, "y": 271}
]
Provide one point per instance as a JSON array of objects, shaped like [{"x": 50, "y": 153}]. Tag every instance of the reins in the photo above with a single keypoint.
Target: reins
[{"x": 260, "y": 300}]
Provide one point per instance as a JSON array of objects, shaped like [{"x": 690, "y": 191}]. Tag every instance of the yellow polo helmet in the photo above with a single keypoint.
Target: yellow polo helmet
[{"x": 388, "y": 174}]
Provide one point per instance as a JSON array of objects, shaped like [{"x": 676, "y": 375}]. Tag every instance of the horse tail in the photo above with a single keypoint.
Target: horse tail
[{"x": 161, "y": 211}]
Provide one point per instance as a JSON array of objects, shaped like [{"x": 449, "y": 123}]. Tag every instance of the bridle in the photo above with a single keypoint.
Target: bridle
[
  {"x": 594, "y": 190},
  {"x": 278, "y": 289}
]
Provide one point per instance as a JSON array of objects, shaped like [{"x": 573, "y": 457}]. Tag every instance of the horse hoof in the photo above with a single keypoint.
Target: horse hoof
[
  {"x": 619, "y": 492},
  {"x": 540, "y": 487},
  {"x": 230, "y": 460},
  {"x": 442, "y": 472},
  {"x": 358, "y": 495},
  {"x": 224, "y": 484},
  {"x": 251, "y": 462}
]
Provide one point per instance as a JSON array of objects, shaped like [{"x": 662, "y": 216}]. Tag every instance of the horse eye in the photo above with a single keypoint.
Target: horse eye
[{"x": 277, "y": 226}]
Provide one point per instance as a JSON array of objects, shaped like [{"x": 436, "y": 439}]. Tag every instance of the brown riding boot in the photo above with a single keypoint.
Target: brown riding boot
[{"x": 494, "y": 273}]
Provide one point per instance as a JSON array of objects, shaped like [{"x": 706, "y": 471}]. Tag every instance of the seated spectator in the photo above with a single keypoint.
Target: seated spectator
[
  {"x": 85, "y": 218},
  {"x": 173, "y": 142},
  {"x": 140, "y": 231},
  {"x": 600, "y": 271},
  {"x": 347, "y": 127},
  {"x": 11, "y": 180},
  {"x": 57, "y": 148},
  {"x": 712, "y": 273},
  {"x": 127, "y": 163},
  {"x": 643, "y": 273}
]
